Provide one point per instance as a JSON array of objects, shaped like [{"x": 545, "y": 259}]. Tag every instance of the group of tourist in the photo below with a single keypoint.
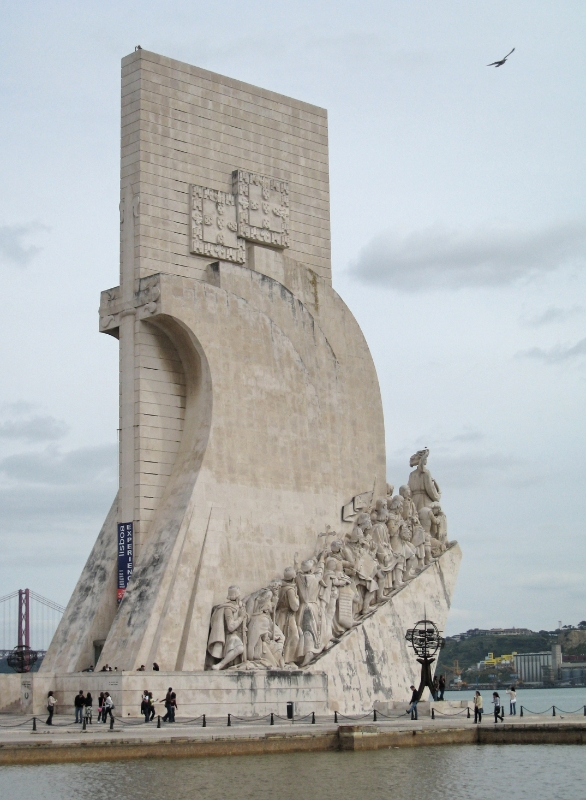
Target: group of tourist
[
  {"x": 83, "y": 704},
  {"x": 294, "y": 619},
  {"x": 147, "y": 705},
  {"x": 499, "y": 712},
  {"x": 438, "y": 694}
]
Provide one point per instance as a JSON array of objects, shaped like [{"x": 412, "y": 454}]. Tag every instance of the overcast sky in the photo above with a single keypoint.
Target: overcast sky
[{"x": 459, "y": 242}]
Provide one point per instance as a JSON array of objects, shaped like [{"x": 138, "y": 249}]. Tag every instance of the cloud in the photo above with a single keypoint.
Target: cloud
[
  {"x": 555, "y": 581},
  {"x": 440, "y": 258},
  {"x": 457, "y": 470},
  {"x": 12, "y": 243},
  {"x": 554, "y": 314},
  {"x": 468, "y": 435},
  {"x": 33, "y": 429},
  {"x": 557, "y": 354},
  {"x": 52, "y": 467},
  {"x": 54, "y": 500}
]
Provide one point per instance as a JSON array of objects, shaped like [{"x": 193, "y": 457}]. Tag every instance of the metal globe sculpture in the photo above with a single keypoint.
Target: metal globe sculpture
[
  {"x": 426, "y": 640},
  {"x": 22, "y": 658}
]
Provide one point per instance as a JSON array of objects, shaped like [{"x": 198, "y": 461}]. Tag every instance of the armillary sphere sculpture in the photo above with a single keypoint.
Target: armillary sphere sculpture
[
  {"x": 425, "y": 639},
  {"x": 22, "y": 658}
]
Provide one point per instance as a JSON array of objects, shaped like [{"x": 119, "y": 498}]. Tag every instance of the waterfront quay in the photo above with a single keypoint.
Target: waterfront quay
[{"x": 68, "y": 742}]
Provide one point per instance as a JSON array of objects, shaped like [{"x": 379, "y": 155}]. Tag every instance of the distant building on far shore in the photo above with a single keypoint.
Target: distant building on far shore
[
  {"x": 494, "y": 632},
  {"x": 539, "y": 668}
]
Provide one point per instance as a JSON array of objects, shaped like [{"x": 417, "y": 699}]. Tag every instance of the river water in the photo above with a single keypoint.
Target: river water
[
  {"x": 458, "y": 772},
  {"x": 533, "y": 700}
]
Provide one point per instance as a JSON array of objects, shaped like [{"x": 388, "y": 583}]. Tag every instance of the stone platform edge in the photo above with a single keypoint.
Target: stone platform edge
[{"x": 345, "y": 737}]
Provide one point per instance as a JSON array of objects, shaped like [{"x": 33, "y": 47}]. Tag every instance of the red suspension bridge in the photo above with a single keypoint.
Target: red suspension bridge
[{"x": 27, "y": 622}]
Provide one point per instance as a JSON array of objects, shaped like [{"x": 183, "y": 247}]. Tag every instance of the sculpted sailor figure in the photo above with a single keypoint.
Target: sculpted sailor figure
[
  {"x": 442, "y": 526},
  {"x": 423, "y": 487},
  {"x": 361, "y": 564},
  {"x": 228, "y": 630},
  {"x": 411, "y": 521},
  {"x": 309, "y": 614},
  {"x": 260, "y": 623},
  {"x": 384, "y": 554},
  {"x": 348, "y": 595},
  {"x": 286, "y": 616},
  {"x": 332, "y": 579}
]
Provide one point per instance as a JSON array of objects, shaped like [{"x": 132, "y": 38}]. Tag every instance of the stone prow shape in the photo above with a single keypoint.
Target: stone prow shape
[{"x": 373, "y": 663}]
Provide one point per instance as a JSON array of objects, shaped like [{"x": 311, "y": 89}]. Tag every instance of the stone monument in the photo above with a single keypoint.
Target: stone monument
[{"x": 254, "y": 545}]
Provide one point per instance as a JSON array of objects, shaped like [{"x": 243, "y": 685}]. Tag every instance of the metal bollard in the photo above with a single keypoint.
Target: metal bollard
[
  {"x": 553, "y": 708},
  {"x": 468, "y": 712},
  {"x": 433, "y": 713},
  {"x": 35, "y": 720},
  {"x": 229, "y": 720},
  {"x": 336, "y": 717},
  {"x": 313, "y": 717},
  {"x": 112, "y": 723},
  {"x": 374, "y": 717},
  {"x": 158, "y": 720},
  {"x": 204, "y": 724},
  {"x": 83, "y": 727},
  {"x": 521, "y": 714},
  {"x": 585, "y": 711},
  {"x": 272, "y": 718}
]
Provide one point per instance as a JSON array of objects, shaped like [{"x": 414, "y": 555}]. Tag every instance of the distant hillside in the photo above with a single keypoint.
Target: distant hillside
[
  {"x": 470, "y": 651},
  {"x": 573, "y": 642}
]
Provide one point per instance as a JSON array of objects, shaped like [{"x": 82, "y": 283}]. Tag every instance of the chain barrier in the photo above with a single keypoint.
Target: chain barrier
[
  {"x": 435, "y": 711},
  {"x": 271, "y": 719},
  {"x": 553, "y": 710},
  {"x": 20, "y": 724}
]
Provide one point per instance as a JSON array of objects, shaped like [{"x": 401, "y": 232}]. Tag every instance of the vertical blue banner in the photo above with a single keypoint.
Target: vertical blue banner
[{"x": 125, "y": 556}]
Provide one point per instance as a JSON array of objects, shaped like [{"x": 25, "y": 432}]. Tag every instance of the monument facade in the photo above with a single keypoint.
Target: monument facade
[{"x": 253, "y": 529}]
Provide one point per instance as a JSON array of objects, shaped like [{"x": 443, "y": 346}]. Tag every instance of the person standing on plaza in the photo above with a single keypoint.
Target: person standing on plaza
[
  {"x": 478, "y": 709},
  {"x": 512, "y": 692},
  {"x": 144, "y": 706},
  {"x": 442, "y": 687},
  {"x": 88, "y": 708},
  {"x": 151, "y": 705},
  {"x": 79, "y": 704},
  {"x": 173, "y": 707},
  {"x": 167, "y": 717},
  {"x": 414, "y": 700},
  {"x": 51, "y": 703},
  {"x": 498, "y": 709},
  {"x": 100, "y": 707},
  {"x": 108, "y": 707}
]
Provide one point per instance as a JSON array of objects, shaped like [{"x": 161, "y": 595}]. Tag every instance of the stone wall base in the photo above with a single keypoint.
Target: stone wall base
[{"x": 216, "y": 694}]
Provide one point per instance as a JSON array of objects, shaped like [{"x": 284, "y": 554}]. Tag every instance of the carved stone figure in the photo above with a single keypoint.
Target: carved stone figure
[
  {"x": 333, "y": 578},
  {"x": 442, "y": 526},
  {"x": 309, "y": 614},
  {"x": 272, "y": 649},
  {"x": 292, "y": 620},
  {"x": 384, "y": 554},
  {"x": 286, "y": 616},
  {"x": 424, "y": 488},
  {"x": 347, "y": 594},
  {"x": 260, "y": 623},
  {"x": 361, "y": 564},
  {"x": 228, "y": 630}
]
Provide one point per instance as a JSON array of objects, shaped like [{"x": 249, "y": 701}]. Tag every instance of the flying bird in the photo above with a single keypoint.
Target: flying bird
[{"x": 502, "y": 61}]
